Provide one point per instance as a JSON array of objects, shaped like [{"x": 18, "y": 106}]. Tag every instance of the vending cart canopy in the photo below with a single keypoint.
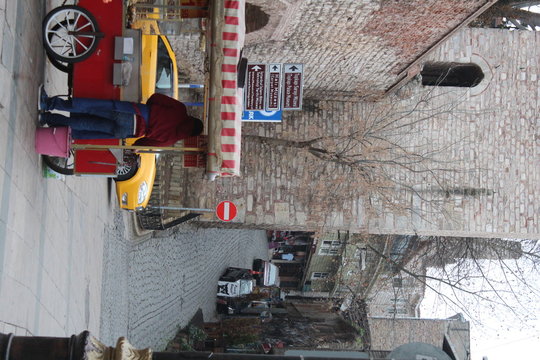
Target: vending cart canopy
[{"x": 225, "y": 99}]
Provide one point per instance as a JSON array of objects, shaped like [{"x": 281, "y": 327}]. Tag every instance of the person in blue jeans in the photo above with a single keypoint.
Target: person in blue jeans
[{"x": 160, "y": 122}]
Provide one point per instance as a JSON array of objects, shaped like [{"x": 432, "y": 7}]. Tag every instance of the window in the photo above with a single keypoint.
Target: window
[
  {"x": 164, "y": 70},
  {"x": 398, "y": 300},
  {"x": 330, "y": 247},
  {"x": 329, "y": 252},
  {"x": 319, "y": 275},
  {"x": 451, "y": 74},
  {"x": 397, "y": 310}
]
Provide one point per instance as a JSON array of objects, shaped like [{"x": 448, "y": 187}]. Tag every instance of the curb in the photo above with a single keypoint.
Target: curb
[{"x": 138, "y": 234}]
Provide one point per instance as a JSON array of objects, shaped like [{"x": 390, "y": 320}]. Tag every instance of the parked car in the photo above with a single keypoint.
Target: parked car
[
  {"x": 265, "y": 273},
  {"x": 158, "y": 75},
  {"x": 235, "y": 282}
]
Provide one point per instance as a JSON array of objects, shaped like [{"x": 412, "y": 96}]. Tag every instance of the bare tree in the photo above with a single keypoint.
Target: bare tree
[
  {"x": 369, "y": 155},
  {"x": 467, "y": 275},
  {"x": 510, "y": 14}
]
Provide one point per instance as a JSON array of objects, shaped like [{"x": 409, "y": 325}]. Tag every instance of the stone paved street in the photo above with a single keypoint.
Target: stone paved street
[
  {"x": 153, "y": 287},
  {"x": 69, "y": 260}
]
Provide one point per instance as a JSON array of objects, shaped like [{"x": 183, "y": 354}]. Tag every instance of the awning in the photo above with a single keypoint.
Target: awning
[{"x": 224, "y": 99}]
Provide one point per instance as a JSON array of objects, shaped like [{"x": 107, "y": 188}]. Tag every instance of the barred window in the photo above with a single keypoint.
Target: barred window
[
  {"x": 330, "y": 247},
  {"x": 319, "y": 275}
]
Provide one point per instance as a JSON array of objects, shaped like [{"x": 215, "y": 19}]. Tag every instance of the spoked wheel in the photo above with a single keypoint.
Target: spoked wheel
[
  {"x": 59, "y": 164},
  {"x": 62, "y": 66},
  {"x": 70, "y": 34},
  {"x": 128, "y": 168}
]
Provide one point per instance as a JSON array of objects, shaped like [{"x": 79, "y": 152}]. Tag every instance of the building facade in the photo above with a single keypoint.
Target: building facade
[{"x": 486, "y": 136}]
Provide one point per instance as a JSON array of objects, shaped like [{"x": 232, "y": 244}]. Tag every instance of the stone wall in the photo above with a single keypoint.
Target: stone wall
[
  {"x": 284, "y": 187},
  {"x": 350, "y": 48},
  {"x": 486, "y": 138},
  {"x": 490, "y": 134},
  {"x": 492, "y": 138},
  {"x": 389, "y": 333}
]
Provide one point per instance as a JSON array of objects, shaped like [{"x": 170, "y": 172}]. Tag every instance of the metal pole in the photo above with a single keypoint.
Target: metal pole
[
  {"x": 136, "y": 147},
  {"x": 232, "y": 356},
  {"x": 45, "y": 348},
  {"x": 85, "y": 346},
  {"x": 190, "y": 86},
  {"x": 178, "y": 208}
]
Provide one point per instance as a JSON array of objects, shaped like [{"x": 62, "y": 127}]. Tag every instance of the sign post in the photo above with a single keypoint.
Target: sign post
[
  {"x": 270, "y": 89},
  {"x": 255, "y": 87},
  {"x": 226, "y": 210},
  {"x": 293, "y": 83},
  {"x": 273, "y": 99},
  {"x": 262, "y": 116}
]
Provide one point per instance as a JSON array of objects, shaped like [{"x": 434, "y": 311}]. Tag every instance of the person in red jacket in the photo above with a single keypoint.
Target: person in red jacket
[{"x": 162, "y": 121}]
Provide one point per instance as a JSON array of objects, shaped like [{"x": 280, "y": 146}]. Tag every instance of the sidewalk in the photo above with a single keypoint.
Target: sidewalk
[{"x": 51, "y": 231}]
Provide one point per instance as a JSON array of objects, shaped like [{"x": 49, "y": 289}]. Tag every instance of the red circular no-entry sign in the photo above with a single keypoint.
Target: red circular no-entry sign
[{"x": 226, "y": 210}]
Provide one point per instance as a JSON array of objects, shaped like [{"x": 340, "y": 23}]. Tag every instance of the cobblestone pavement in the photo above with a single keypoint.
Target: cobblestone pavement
[
  {"x": 63, "y": 240},
  {"x": 154, "y": 287}
]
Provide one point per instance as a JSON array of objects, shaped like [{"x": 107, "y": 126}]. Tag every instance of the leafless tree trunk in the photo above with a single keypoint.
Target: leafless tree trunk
[
  {"x": 464, "y": 273},
  {"x": 368, "y": 155}
]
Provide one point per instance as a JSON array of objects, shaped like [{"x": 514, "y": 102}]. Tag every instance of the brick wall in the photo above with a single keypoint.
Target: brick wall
[
  {"x": 492, "y": 137},
  {"x": 491, "y": 134},
  {"x": 350, "y": 48},
  {"x": 389, "y": 333}
]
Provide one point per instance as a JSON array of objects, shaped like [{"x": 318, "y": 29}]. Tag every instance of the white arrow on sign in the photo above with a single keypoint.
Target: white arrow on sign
[
  {"x": 293, "y": 68},
  {"x": 256, "y": 68},
  {"x": 293, "y": 83}
]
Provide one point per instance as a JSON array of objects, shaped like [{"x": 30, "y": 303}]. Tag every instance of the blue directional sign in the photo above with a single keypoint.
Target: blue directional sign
[{"x": 262, "y": 116}]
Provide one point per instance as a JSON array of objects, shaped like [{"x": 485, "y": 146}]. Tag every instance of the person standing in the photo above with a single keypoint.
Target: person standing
[{"x": 162, "y": 121}]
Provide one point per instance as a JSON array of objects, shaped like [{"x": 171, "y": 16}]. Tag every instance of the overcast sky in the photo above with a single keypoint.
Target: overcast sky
[{"x": 497, "y": 331}]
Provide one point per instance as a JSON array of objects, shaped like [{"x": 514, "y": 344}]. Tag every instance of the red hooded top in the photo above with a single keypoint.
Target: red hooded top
[{"x": 168, "y": 123}]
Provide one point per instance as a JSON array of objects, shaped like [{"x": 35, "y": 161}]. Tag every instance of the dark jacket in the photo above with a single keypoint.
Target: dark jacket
[{"x": 168, "y": 122}]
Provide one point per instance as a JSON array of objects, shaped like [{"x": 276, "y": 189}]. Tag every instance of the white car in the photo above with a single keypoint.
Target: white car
[{"x": 235, "y": 282}]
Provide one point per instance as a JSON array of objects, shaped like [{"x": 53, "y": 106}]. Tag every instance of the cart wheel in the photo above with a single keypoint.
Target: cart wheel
[
  {"x": 59, "y": 164},
  {"x": 70, "y": 33},
  {"x": 126, "y": 170},
  {"x": 62, "y": 66}
]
